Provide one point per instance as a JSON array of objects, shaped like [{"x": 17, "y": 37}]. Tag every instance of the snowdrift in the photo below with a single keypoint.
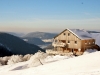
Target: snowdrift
[{"x": 82, "y": 65}]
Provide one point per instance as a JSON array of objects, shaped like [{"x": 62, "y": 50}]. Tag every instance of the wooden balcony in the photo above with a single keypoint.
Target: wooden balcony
[
  {"x": 60, "y": 44},
  {"x": 53, "y": 52}
]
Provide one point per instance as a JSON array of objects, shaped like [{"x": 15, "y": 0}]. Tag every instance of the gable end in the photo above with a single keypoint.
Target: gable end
[{"x": 69, "y": 31}]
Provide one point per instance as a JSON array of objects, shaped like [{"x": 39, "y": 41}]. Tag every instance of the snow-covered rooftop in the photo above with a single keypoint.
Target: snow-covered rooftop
[
  {"x": 96, "y": 36},
  {"x": 82, "y": 34}
]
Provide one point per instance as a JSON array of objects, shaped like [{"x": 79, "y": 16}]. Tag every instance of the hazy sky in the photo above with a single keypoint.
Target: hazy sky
[{"x": 49, "y": 15}]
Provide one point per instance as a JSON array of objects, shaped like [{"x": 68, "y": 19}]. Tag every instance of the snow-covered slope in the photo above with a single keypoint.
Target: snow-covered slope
[{"x": 82, "y": 65}]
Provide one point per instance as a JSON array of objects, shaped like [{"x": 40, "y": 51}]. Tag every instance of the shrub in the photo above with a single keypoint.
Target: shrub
[
  {"x": 37, "y": 59},
  {"x": 27, "y": 57},
  {"x": 5, "y": 59},
  {"x": 15, "y": 59},
  {"x": 1, "y": 62}
]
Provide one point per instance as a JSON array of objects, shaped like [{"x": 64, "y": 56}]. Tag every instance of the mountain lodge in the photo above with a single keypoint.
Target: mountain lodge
[{"x": 73, "y": 40}]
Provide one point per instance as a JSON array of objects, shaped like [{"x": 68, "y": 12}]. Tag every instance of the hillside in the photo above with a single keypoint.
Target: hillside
[
  {"x": 41, "y": 35},
  {"x": 17, "y": 45},
  {"x": 16, "y": 34},
  {"x": 81, "y": 65},
  {"x": 4, "y": 51},
  {"x": 33, "y": 40}
]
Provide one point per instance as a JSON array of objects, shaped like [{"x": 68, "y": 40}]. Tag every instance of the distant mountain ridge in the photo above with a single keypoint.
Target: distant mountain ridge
[
  {"x": 41, "y": 35},
  {"x": 33, "y": 40},
  {"x": 17, "y": 45},
  {"x": 93, "y": 31},
  {"x": 16, "y": 34}
]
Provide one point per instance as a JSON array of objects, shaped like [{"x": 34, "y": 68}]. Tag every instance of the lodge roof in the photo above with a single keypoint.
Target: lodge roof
[{"x": 81, "y": 34}]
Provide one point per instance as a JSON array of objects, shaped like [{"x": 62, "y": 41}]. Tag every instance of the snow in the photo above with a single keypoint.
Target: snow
[
  {"x": 25, "y": 40},
  {"x": 82, "y": 34},
  {"x": 88, "y": 64},
  {"x": 43, "y": 46},
  {"x": 89, "y": 51},
  {"x": 56, "y": 58},
  {"x": 47, "y": 40},
  {"x": 96, "y": 36}
]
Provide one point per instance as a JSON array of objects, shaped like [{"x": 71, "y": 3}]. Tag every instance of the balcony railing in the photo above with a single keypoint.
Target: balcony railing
[{"x": 59, "y": 44}]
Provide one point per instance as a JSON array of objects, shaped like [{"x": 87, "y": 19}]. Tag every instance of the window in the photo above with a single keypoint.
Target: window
[
  {"x": 68, "y": 41},
  {"x": 68, "y": 34},
  {"x": 64, "y": 33},
  {"x": 79, "y": 49},
  {"x": 55, "y": 40},
  {"x": 85, "y": 42},
  {"x": 93, "y": 42},
  {"x": 75, "y": 42}
]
